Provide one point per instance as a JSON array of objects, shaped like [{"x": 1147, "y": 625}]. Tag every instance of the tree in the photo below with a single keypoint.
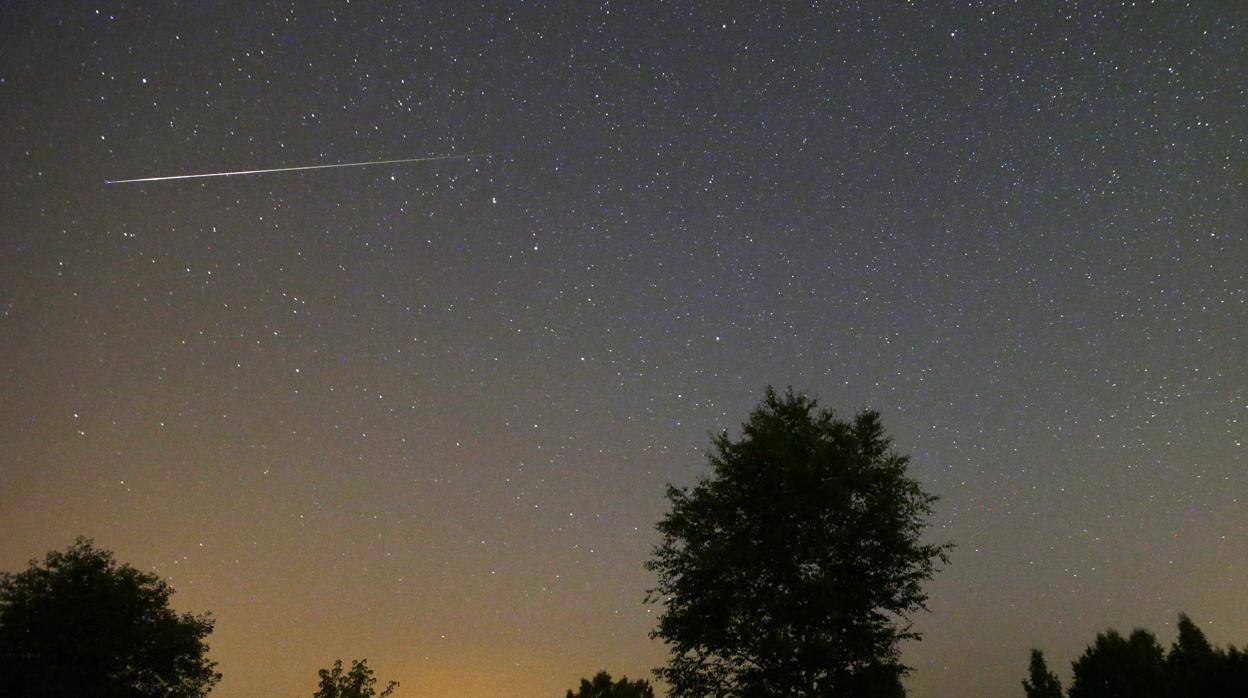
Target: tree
[
  {"x": 1136, "y": 667},
  {"x": 1233, "y": 675},
  {"x": 794, "y": 567},
  {"x": 601, "y": 686},
  {"x": 1041, "y": 683},
  {"x": 1114, "y": 667},
  {"x": 79, "y": 624},
  {"x": 1193, "y": 665},
  {"x": 358, "y": 682}
]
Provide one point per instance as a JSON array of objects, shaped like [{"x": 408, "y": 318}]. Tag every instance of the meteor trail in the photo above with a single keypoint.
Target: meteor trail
[{"x": 294, "y": 169}]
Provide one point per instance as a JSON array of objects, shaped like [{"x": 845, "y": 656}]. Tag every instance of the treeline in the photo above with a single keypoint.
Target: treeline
[
  {"x": 792, "y": 568},
  {"x": 1137, "y": 666},
  {"x": 79, "y": 624}
]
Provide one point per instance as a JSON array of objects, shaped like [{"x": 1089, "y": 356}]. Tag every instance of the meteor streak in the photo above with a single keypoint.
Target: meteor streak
[{"x": 293, "y": 169}]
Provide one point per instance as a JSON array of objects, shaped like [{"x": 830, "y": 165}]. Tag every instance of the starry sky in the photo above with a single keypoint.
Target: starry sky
[{"x": 425, "y": 413}]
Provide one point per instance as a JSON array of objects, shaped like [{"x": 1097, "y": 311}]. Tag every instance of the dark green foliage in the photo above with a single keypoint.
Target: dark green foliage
[
  {"x": 78, "y": 624},
  {"x": 1041, "y": 683},
  {"x": 601, "y": 686},
  {"x": 356, "y": 683},
  {"x": 793, "y": 568},
  {"x": 1137, "y": 667}
]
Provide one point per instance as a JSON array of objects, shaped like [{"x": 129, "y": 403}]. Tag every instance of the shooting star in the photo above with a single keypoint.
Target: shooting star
[{"x": 294, "y": 169}]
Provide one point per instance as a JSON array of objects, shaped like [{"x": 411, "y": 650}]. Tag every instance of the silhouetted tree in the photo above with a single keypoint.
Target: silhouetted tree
[
  {"x": 792, "y": 570},
  {"x": 1193, "y": 665},
  {"x": 358, "y": 682},
  {"x": 79, "y": 624},
  {"x": 1041, "y": 683},
  {"x": 1137, "y": 667},
  {"x": 601, "y": 686},
  {"x": 1233, "y": 674},
  {"x": 1114, "y": 667}
]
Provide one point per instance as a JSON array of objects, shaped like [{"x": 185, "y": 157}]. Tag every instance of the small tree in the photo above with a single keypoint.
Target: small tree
[
  {"x": 1041, "y": 683},
  {"x": 792, "y": 570},
  {"x": 601, "y": 686},
  {"x": 79, "y": 624},
  {"x": 356, "y": 683}
]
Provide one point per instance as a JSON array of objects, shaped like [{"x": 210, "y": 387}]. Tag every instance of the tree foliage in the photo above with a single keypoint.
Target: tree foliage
[
  {"x": 794, "y": 567},
  {"x": 358, "y": 682},
  {"x": 1192, "y": 663},
  {"x": 601, "y": 686},
  {"x": 79, "y": 624},
  {"x": 1137, "y": 667},
  {"x": 1118, "y": 666},
  {"x": 1040, "y": 682}
]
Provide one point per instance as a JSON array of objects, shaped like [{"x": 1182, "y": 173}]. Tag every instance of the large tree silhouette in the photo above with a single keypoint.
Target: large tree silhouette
[
  {"x": 1116, "y": 667},
  {"x": 1193, "y": 665},
  {"x": 79, "y": 624},
  {"x": 793, "y": 568}
]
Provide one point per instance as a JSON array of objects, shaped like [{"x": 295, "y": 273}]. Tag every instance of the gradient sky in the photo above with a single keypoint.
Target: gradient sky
[{"x": 425, "y": 413}]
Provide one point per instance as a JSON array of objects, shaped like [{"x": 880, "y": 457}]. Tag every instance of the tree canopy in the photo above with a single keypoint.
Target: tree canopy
[
  {"x": 1040, "y": 682},
  {"x": 793, "y": 568},
  {"x": 1193, "y": 664},
  {"x": 357, "y": 682},
  {"x": 1117, "y": 666},
  {"x": 601, "y": 686},
  {"x": 1137, "y": 667},
  {"x": 79, "y": 624}
]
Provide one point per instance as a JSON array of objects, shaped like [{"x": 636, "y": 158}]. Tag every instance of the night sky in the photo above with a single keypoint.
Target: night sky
[{"x": 425, "y": 413}]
